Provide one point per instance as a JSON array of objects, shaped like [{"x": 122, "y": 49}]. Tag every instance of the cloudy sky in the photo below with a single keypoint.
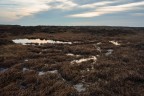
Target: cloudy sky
[{"x": 72, "y": 12}]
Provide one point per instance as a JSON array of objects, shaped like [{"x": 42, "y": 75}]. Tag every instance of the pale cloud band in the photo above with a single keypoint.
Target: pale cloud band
[
  {"x": 16, "y": 9},
  {"x": 22, "y": 8},
  {"x": 110, "y": 9},
  {"x": 97, "y": 4},
  {"x": 138, "y": 14}
]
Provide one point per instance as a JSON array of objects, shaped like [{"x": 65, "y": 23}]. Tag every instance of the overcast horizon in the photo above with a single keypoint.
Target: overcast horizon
[{"x": 73, "y": 12}]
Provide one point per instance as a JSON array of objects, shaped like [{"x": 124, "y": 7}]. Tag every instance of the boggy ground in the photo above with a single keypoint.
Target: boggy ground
[{"x": 92, "y": 66}]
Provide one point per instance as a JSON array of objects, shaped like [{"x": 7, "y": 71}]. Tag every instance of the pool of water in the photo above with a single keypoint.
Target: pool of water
[
  {"x": 40, "y": 73},
  {"x": 115, "y": 43},
  {"x": 38, "y": 41},
  {"x": 79, "y": 87},
  {"x": 25, "y": 69},
  {"x": 73, "y": 55},
  {"x": 84, "y": 60},
  {"x": 109, "y": 52}
]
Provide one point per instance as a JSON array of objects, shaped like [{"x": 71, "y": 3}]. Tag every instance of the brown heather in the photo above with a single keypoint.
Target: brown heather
[{"x": 118, "y": 74}]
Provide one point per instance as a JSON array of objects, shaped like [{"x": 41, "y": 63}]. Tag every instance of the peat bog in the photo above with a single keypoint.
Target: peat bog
[{"x": 71, "y": 61}]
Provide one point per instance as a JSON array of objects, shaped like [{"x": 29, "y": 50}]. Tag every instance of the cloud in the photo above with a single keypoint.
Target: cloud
[
  {"x": 21, "y": 8},
  {"x": 16, "y": 9},
  {"x": 64, "y": 4},
  {"x": 110, "y": 9},
  {"x": 94, "y": 5}
]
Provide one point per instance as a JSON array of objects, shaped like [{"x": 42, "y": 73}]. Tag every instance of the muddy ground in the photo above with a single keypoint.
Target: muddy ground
[{"x": 100, "y": 61}]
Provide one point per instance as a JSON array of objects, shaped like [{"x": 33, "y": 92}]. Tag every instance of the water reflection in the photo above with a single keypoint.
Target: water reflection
[
  {"x": 38, "y": 41},
  {"x": 79, "y": 87}
]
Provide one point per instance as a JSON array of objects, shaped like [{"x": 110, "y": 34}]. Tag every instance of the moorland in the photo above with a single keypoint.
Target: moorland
[{"x": 93, "y": 61}]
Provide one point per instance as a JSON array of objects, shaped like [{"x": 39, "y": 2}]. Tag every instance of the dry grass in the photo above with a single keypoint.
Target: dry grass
[{"x": 118, "y": 74}]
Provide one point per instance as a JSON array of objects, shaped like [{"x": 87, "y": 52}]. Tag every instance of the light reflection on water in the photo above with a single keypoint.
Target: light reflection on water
[{"x": 38, "y": 41}]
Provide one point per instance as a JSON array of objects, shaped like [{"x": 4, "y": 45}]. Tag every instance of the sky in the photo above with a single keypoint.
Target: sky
[{"x": 73, "y": 12}]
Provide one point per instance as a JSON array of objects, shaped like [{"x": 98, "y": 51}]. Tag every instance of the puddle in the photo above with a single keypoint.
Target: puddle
[
  {"x": 70, "y": 54},
  {"x": 77, "y": 42},
  {"x": 84, "y": 60},
  {"x": 114, "y": 42},
  {"x": 98, "y": 55},
  {"x": 99, "y": 43},
  {"x": 25, "y": 69},
  {"x": 3, "y": 69},
  {"x": 79, "y": 87},
  {"x": 53, "y": 72},
  {"x": 26, "y": 60},
  {"x": 41, "y": 73},
  {"x": 109, "y": 52},
  {"x": 38, "y": 41}
]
